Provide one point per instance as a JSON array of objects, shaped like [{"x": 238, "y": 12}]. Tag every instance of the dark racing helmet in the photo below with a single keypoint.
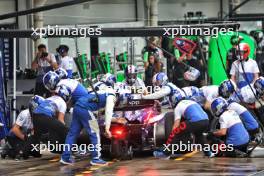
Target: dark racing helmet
[
  {"x": 226, "y": 88},
  {"x": 259, "y": 86},
  {"x": 62, "y": 48}
]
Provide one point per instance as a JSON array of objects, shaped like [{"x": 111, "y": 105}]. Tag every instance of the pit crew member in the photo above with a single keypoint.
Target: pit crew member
[
  {"x": 244, "y": 71},
  {"x": 230, "y": 126},
  {"x": 83, "y": 117}
]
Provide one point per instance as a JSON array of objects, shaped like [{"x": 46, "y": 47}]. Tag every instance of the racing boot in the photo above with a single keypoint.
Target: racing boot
[
  {"x": 98, "y": 162},
  {"x": 69, "y": 161}
]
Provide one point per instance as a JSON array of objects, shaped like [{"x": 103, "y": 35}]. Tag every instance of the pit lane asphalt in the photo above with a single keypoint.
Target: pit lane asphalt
[{"x": 189, "y": 164}]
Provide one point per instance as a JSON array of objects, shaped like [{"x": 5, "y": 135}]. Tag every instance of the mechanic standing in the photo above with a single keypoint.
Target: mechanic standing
[
  {"x": 230, "y": 126},
  {"x": 66, "y": 62},
  {"x": 244, "y": 71},
  {"x": 43, "y": 63},
  {"x": 231, "y": 54},
  {"x": 132, "y": 81},
  {"x": 83, "y": 117}
]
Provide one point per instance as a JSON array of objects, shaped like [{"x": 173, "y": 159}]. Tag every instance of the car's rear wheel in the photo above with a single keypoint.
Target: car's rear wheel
[
  {"x": 169, "y": 121},
  {"x": 3, "y": 155},
  {"x": 120, "y": 149}
]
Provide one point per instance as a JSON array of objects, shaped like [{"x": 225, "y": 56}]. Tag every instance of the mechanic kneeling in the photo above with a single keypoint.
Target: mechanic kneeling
[
  {"x": 19, "y": 139},
  {"x": 231, "y": 127},
  {"x": 246, "y": 117},
  {"x": 195, "y": 118}
]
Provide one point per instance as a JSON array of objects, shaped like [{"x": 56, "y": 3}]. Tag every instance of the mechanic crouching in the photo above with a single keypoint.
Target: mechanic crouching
[
  {"x": 195, "y": 119},
  {"x": 226, "y": 89},
  {"x": 231, "y": 128},
  {"x": 48, "y": 117},
  {"x": 246, "y": 117},
  {"x": 19, "y": 139}
]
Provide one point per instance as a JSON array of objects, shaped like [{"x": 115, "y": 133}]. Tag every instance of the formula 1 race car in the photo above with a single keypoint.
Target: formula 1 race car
[{"x": 147, "y": 132}]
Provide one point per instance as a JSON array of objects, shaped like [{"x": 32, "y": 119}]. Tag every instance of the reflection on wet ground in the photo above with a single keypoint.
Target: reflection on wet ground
[{"x": 194, "y": 164}]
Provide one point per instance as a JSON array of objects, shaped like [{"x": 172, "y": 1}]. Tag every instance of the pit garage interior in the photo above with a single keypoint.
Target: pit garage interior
[{"x": 126, "y": 30}]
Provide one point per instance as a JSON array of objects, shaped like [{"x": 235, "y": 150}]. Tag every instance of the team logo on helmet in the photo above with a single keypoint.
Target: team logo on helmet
[
  {"x": 108, "y": 79},
  {"x": 50, "y": 80},
  {"x": 64, "y": 92},
  {"x": 62, "y": 73},
  {"x": 160, "y": 79},
  {"x": 226, "y": 88},
  {"x": 259, "y": 86},
  {"x": 218, "y": 106}
]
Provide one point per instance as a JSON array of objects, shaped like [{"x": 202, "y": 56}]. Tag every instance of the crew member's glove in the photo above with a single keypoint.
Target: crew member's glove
[
  {"x": 25, "y": 137},
  {"x": 157, "y": 105},
  {"x": 108, "y": 133},
  {"x": 210, "y": 134}
]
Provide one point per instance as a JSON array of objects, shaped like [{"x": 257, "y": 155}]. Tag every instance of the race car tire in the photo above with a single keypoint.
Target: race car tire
[
  {"x": 3, "y": 155},
  {"x": 120, "y": 149},
  {"x": 214, "y": 125},
  {"x": 8, "y": 151},
  {"x": 169, "y": 121}
]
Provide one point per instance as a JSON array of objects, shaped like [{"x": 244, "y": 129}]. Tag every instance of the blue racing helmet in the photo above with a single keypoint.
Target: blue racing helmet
[
  {"x": 197, "y": 95},
  {"x": 218, "y": 106},
  {"x": 109, "y": 79},
  {"x": 50, "y": 80},
  {"x": 195, "y": 90},
  {"x": 160, "y": 79},
  {"x": 34, "y": 102},
  {"x": 62, "y": 73},
  {"x": 178, "y": 95},
  {"x": 226, "y": 88},
  {"x": 259, "y": 86},
  {"x": 64, "y": 92}
]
